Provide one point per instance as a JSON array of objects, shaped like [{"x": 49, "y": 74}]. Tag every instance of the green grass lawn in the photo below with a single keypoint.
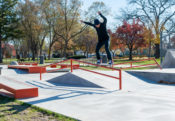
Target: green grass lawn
[
  {"x": 14, "y": 110},
  {"x": 116, "y": 61},
  {"x": 8, "y": 60}
]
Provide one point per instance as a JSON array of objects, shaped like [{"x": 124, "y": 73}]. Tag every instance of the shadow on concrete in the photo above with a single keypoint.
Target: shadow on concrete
[
  {"x": 67, "y": 91},
  {"x": 19, "y": 71},
  {"x": 67, "y": 88},
  {"x": 70, "y": 94}
]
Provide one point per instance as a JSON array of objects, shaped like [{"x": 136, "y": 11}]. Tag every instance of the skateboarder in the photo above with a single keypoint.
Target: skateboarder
[{"x": 103, "y": 37}]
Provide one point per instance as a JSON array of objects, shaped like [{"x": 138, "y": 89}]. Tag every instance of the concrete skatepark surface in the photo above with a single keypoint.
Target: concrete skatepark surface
[{"x": 140, "y": 99}]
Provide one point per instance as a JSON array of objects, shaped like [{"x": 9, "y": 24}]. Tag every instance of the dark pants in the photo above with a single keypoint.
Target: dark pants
[{"x": 99, "y": 45}]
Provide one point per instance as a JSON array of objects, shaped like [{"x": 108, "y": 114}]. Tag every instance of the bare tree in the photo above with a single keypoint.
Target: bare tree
[
  {"x": 70, "y": 28},
  {"x": 34, "y": 25},
  {"x": 86, "y": 41},
  {"x": 157, "y": 12},
  {"x": 51, "y": 13},
  {"x": 28, "y": 12},
  {"x": 90, "y": 14}
]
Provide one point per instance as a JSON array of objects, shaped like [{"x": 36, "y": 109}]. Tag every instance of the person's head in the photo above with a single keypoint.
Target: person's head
[{"x": 97, "y": 23}]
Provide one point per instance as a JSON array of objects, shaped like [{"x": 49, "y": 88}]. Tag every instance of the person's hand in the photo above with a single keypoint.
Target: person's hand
[
  {"x": 99, "y": 12},
  {"x": 81, "y": 21}
]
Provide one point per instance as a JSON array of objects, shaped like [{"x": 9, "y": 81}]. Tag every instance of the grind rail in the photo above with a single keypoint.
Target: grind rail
[
  {"x": 72, "y": 67},
  {"x": 136, "y": 66}
]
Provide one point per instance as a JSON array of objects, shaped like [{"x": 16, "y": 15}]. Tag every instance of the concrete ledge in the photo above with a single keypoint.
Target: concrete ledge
[
  {"x": 18, "y": 89},
  {"x": 156, "y": 75},
  {"x": 30, "y": 69}
]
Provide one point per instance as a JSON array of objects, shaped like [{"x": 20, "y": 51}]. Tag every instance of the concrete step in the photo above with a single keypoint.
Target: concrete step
[{"x": 17, "y": 88}]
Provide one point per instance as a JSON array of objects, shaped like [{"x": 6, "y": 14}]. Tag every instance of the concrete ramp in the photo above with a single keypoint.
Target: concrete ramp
[
  {"x": 70, "y": 79},
  {"x": 155, "y": 74},
  {"x": 169, "y": 60},
  {"x": 81, "y": 78}
]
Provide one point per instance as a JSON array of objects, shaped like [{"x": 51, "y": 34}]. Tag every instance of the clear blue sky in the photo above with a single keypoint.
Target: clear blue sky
[{"x": 114, "y": 5}]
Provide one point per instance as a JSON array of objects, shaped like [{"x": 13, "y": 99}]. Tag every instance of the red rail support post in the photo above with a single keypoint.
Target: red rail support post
[
  {"x": 157, "y": 63},
  {"x": 131, "y": 64},
  {"x": 120, "y": 79},
  {"x": 40, "y": 73},
  {"x": 71, "y": 65}
]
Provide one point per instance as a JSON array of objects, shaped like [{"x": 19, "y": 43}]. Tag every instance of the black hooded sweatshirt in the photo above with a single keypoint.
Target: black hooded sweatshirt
[{"x": 101, "y": 31}]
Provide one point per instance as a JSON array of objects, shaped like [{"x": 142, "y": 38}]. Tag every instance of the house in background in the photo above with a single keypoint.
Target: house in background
[{"x": 8, "y": 50}]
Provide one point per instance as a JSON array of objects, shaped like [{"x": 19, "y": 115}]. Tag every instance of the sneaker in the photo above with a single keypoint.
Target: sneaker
[
  {"x": 110, "y": 62},
  {"x": 98, "y": 62}
]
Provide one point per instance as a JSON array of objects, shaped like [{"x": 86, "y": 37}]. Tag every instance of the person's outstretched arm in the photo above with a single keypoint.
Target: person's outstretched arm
[
  {"x": 104, "y": 18},
  {"x": 88, "y": 23}
]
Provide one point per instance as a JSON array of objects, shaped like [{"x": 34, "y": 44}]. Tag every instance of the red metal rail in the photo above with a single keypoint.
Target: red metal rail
[
  {"x": 133, "y": 61},
  {"x": 50, "y": 65},
  {"x": 71, "y": 67},
  {"x": 157, "y": 63},
  {"x": 131, "y": 64},
  {"x": 139, "y": 66},
  {"x": 99, "y": 73},
  {"x": 96, "y": 65},
  {"x": 119, "y": 70}
]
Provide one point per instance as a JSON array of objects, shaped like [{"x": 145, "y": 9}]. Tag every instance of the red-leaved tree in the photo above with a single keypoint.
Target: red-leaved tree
[
  {"x": 131, "y": 35},
  {"x": 116, "y": 44}
]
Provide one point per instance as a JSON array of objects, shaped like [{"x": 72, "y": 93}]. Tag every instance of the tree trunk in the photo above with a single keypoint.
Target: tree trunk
[
  {"x": 65, "y": 50},
  {"x": 40, "y": 52},
  {"x": 49, "y": 52},
  {"x": 87, "y": 53},
  {"x": 28, "y": 51},
  {"x": 149, "y": 51},
  {"x": 130, "y": 54},
  {"x": 74, "y": 52},
  {"x": 36, "y": 53},
  {"x": 33, "y": 55},
  {"x": 61, "y": 52},
  {"x": 157, "y": 51},
  {"x": 0, "y": 49}
]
